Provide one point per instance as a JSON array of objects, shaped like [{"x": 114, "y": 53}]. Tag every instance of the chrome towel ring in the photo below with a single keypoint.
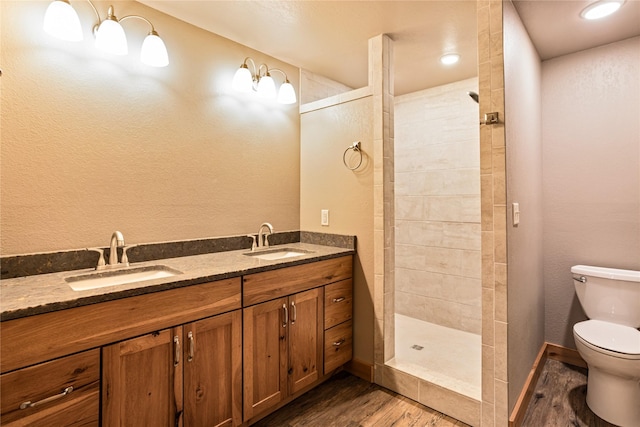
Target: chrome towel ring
[{"x": 356, "y": 148}]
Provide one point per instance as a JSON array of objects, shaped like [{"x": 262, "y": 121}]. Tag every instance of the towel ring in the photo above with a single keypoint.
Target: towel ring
[{"x": 356, "y": 148}]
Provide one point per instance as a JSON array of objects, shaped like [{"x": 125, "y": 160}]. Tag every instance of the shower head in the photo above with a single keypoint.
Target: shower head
[{"x": 473, "y": 96}]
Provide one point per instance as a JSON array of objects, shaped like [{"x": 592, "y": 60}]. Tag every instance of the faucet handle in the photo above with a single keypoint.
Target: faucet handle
[
  {"x": 101, "y": 263},
  {"x": 253, "y": 242},
  {"x": 125, "y": 259}
]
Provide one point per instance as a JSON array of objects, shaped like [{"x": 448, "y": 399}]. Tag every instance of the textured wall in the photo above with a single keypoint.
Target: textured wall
[
  {"x": 591, "y": 154},
  {"x": 525, "y": 293},
  {"x": 91, "y": 144},
  {"x": 437, "y": 179},
  {"x": 325, "y": 183}
]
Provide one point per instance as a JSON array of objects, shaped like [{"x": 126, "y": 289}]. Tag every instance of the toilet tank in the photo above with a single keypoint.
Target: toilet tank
[{"x": 608, "y": 294}]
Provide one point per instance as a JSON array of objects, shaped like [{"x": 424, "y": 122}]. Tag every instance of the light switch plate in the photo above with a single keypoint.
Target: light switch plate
[
  {"x": 324, "y": 217},
  {"x": 515, "y": 209}
]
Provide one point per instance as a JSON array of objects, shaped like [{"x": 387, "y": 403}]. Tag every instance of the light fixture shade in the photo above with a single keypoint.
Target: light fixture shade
[
  {"x": 600, "y": 9},
  {"x": 154, "y": 52},
  {"x": 242, "y": 80},
  {"x": 267, "y": 87},
  {"x": 287, "y": 95},
  {"x": 61, "y": 21},
  {"x": 110, "y": 37}
]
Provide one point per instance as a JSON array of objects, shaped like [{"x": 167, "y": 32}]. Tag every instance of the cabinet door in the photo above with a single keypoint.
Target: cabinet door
[
  {"x": 213, "y": 371},
  {"x": 305, "y": 338},
  {"x": 265, "y": 356},
  {"x": 142, "y": 381}
]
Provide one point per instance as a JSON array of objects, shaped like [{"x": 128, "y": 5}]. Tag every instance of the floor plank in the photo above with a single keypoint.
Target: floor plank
[
  {"x": 560, "y": 399},
  {"x": 348, "y": 401}
]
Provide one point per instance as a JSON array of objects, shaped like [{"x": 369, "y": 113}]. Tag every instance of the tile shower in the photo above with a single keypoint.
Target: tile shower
[{"x": 438, "y": 237}]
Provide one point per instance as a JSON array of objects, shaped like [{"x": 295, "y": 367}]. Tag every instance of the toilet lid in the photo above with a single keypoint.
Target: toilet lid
[{"x": 609, "y": 336}]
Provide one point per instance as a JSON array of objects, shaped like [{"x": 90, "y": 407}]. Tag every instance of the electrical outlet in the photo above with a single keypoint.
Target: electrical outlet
[{"x": 324, "y": 217}]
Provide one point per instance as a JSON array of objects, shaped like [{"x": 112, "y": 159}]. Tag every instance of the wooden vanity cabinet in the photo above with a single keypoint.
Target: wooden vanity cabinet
[
  {"x": 284, "y": 332},
  {"x": 189, "y": 375}
]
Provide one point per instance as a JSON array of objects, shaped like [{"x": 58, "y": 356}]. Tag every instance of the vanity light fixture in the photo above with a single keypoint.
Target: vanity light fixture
[
  {"x": 601, "y": 8},
  {"x": 449, "y": 58},
  {"x": 62, "y": 21},
  {"x": 261, "y": 82}
]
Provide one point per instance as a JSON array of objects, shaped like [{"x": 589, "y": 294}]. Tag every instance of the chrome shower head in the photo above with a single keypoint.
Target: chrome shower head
[{"x": 473, "y": 96}]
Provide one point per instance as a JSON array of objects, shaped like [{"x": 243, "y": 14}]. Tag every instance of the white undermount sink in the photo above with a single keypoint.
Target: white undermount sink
[
  {"x": 275, "y": 254},
  {"x": 102, "y": 279}
]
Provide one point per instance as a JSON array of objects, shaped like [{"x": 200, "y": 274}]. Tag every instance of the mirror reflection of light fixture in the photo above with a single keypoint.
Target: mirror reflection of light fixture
[
  {"x": 62, "y": 21},
  {"x": 261, "y": 82}
]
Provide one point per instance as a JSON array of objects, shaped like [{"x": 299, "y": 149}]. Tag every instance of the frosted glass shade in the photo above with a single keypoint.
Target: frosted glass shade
[
  {"x": 267, "y": 87},
  {"x": 154, "y": 52},
  {"x": 61, "y": 21},
  {"x": 287, "y": 95},
  {"x": 242, "y": 80},
  {"x": 110, "y": 37}
]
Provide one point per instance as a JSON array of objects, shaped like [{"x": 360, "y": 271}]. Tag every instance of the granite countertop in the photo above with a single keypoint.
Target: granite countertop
[{"x": 27, "y": 296}]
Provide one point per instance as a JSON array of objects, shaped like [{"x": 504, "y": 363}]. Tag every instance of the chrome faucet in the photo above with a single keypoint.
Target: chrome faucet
[
  {"x": 263, "y": 242},
  {"x": 117, "y": 241}
]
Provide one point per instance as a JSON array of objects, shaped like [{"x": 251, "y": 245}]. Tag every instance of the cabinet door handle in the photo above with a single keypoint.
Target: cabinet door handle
[
  {"x": 176, "y": 347},
  {"x": 340, "y": 299},
  {"x": 294, "y": 312},
  {"x": 339, "y": 342},
  {"x": 192, "y": 346},
  {"x": 286, "y": 316},
  {"x": 28, "y": 404}
]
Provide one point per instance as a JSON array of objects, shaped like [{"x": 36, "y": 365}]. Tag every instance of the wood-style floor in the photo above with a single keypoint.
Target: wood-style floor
[
  {"x": 347, "y": 401},
  {"x": 560, "y": 397}
]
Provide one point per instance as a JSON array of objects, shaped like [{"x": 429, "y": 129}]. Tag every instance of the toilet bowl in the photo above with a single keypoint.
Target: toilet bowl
[{"x": 610, "y": 342}]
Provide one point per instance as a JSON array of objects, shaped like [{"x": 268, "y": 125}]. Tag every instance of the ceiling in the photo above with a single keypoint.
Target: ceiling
[{"x": 330, "y": 37}]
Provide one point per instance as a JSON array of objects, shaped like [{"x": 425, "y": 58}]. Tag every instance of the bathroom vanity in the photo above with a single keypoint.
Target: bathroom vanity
[{"x": 185, "y": 350}]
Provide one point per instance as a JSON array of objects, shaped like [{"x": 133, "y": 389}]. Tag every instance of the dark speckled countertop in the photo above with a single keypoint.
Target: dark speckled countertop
[{"x": 27, "y": 296}]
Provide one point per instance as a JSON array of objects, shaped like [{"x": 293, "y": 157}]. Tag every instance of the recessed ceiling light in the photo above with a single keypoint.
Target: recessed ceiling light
[
  {"x": 600, "y": 9},
  {"x": 450, "y": 58}
]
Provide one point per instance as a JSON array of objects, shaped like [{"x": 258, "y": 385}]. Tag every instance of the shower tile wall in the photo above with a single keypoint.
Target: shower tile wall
[{"x": 437, "y": 173}]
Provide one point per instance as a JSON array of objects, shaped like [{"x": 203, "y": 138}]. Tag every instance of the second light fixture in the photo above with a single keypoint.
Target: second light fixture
[{"x": 261, "y": 82}]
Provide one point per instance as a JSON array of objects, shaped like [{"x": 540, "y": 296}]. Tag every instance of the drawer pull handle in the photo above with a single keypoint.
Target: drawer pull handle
[
  {"x": 339, "y": 342},
  {"x": 176, "y": 345},
  {"x": 339, "y": 299},
  {"x": 192, "y": 346},
  {"x": 28, "y": 404},
  {"x": 286, "y": 316},
  {"x": 294, "y": 313}
]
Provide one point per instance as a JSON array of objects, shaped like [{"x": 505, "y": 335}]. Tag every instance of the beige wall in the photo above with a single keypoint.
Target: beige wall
[
  {"x": 591, "y": 154},
  {"x": 91, "y": 144},
  {"x": 525, "y": 293},
  {"x": 437, "y": 206},
  {"x": 325, "y": 183}
]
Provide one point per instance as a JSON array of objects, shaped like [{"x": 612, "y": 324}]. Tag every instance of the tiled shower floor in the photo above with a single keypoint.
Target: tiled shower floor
[{"x": 449, "y": 358}]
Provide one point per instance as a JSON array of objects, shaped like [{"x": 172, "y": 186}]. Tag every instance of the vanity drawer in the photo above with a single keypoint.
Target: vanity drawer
[
  {"x": 338, "y": 303},
  {"x": 269, "y": 285},
  {"x": 43, "y": 386},
  {"x": 338, "y": 346}
]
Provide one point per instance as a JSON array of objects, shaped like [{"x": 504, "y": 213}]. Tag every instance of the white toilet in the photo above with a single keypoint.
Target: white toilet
[{"x": 609, "y": 341}]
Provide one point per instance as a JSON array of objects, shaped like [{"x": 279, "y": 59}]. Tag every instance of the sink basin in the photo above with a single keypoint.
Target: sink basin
[
  {"x": 280, "y": 253},
  {"x": 125, "y": 276}
]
